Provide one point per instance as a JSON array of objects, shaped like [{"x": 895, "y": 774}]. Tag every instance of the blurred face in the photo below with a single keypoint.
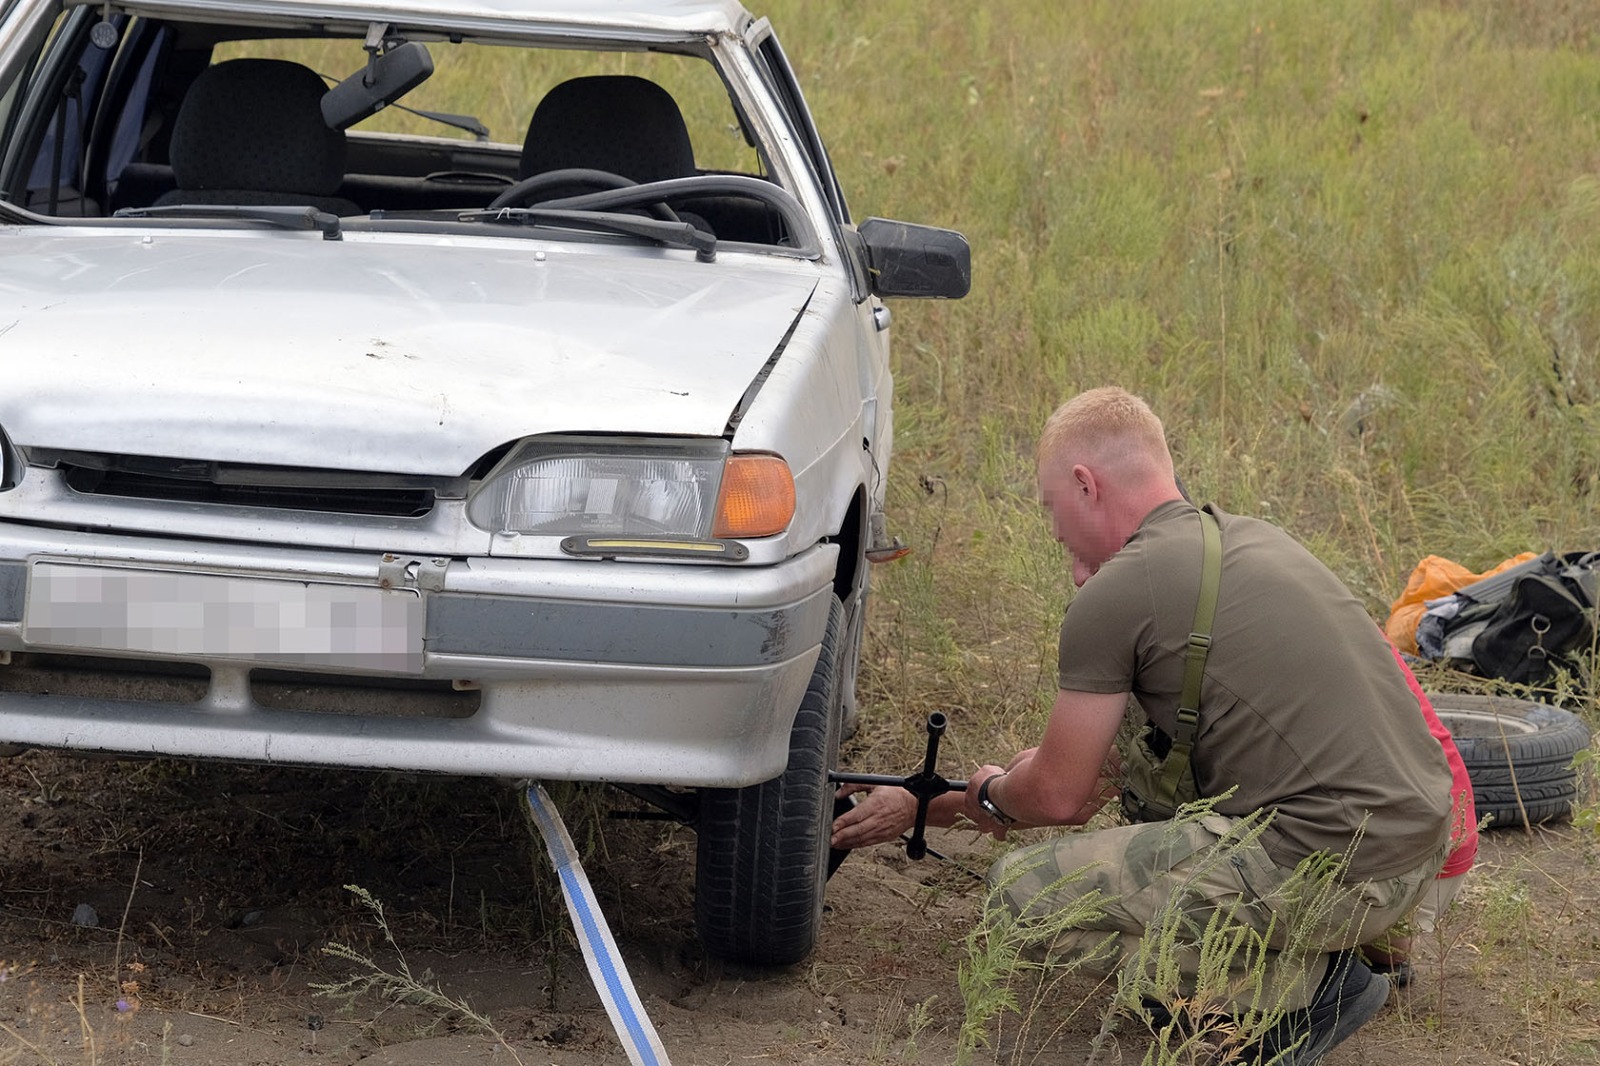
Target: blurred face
[{"x": 1071, "y": 496}]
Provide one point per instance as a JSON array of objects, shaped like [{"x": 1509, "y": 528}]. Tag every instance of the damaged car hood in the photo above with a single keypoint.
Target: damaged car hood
[{"x": 373, "y": 353}]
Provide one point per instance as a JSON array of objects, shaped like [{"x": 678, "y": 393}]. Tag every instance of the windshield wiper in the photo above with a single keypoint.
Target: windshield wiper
[
  {"x": 678, "y": 234},
  {"x": 279, "y": 216},
  {"x": 446, "y": 118}
]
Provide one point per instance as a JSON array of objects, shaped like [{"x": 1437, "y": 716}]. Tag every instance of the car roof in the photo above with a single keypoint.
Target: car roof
[{"x": 675, "y": 17}]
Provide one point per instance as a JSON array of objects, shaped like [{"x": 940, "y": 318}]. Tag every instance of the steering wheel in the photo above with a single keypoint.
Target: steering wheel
[{"x": 574, "y": 181}]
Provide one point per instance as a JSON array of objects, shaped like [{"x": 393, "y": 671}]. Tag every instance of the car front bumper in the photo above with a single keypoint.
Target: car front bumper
[{"x": 582, "y": 669}]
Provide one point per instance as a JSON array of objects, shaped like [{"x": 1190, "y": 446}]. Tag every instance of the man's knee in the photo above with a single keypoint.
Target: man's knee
[
  {"x": 1039, "y": 877},
  {"x": 1050, "y": 875}
]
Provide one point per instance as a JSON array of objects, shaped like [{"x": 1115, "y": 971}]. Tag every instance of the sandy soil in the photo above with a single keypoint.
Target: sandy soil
[{"x": 215, "y": 889}]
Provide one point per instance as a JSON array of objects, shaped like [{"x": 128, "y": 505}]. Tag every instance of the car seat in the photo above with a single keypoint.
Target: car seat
[
  {"x": 250, "y": 131},
  {"x": 614, "y": 122}
]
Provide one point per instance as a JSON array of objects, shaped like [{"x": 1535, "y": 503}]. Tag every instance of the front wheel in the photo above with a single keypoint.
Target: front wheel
[{"x": 761, "y": 860}]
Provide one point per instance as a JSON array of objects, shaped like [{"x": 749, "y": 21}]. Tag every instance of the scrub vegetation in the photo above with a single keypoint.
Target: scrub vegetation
[{"x": 1349, "y": 250}]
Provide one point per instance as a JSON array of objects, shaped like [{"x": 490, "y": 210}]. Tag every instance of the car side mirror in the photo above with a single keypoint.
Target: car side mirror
[
  {"x": 918, "y": 261},
  {"x": 385, "y": 79}
]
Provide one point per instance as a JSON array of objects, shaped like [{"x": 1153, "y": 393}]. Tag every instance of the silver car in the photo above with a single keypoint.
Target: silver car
[{"x": 335, "y": 431}]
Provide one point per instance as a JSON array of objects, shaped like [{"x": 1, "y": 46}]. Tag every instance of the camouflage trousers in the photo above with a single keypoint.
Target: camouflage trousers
[{"x": 1165, "y": 883}]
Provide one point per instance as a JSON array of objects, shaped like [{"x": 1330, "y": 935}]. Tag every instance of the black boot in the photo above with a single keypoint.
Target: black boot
[{"x": 1349, "y": 995}]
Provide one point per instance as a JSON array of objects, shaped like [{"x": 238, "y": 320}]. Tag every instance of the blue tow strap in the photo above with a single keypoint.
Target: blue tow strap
[{"x": 600, "y": 954}]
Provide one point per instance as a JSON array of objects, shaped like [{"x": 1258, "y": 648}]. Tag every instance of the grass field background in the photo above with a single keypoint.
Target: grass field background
[{"x": 1347, "y": 250}]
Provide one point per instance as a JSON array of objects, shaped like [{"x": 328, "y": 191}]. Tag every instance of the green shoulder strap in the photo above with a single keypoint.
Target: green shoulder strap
[{"x": 1194, "y": 666}]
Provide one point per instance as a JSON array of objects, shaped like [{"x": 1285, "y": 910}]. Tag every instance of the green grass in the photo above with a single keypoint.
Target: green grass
[{"x": 1348, "y": 250}]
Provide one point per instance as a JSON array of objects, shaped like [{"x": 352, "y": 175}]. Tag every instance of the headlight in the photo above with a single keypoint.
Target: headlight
[{"x": 569, "y": 486}]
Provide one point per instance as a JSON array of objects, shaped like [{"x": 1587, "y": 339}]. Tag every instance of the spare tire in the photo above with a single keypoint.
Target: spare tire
[
  {"x": 1518, "y": 754},
  {"x": 1526, "y": 804}
]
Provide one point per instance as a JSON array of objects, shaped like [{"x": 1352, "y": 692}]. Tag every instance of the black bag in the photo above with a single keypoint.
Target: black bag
[{"x": 1543, "y": 615}]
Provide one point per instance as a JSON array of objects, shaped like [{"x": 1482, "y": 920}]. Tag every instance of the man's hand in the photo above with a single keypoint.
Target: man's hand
[
  {"x": 976, "y": 814},
  {"x": 881, "y": 815}
]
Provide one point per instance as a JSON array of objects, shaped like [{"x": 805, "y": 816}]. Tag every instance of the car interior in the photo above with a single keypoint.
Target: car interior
[{"x": 157, "y": 114}]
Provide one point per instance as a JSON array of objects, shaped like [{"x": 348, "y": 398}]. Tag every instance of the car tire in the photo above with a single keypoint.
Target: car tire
[
  {"x": 1525, "y": 804},
  {"x": 761, "y": 859},
  {"x": 1518, "y": 755}
]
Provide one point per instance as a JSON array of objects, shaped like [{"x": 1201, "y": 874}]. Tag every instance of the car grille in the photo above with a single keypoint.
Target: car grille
[{"x": 192, "y": 481}]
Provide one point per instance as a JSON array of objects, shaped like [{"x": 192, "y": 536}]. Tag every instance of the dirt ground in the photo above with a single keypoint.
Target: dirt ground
[{"x": 214, "y": 890}]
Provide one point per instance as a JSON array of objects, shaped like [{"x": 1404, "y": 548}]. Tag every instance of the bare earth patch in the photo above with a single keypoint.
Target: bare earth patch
[{"x": 214, "y": 889}]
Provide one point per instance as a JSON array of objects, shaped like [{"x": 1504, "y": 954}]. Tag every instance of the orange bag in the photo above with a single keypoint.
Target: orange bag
[{"x": 1434, "y": 577}]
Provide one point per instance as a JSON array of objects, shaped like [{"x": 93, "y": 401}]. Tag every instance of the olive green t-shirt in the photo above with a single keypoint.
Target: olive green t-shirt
[{"x": 1303, "y": 707}]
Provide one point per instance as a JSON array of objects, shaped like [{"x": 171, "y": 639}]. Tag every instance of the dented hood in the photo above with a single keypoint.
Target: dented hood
[{"x": 377, "y": 352}]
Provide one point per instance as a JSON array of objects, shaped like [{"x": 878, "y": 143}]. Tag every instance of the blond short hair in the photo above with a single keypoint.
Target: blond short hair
[{"x": 1107, "y": 428}]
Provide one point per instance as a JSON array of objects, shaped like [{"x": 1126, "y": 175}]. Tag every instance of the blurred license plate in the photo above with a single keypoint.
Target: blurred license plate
[{"x": 215, "y": 616}]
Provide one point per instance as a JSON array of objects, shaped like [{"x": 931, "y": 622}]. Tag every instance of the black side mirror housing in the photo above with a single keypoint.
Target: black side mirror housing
[
  {"x": 385, "y": 79},
  {"x": 916, "y": 261}
]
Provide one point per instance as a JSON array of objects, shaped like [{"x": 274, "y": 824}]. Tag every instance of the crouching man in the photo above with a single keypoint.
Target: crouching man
[{"x": 1289, "y": 697}]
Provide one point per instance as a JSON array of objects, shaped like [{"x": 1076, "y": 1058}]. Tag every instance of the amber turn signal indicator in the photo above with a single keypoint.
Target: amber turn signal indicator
[{"x": 757, "y": 497}]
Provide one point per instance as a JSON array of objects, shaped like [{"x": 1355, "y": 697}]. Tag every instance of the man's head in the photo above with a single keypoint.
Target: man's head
[{"x": 1103, "y": 466}]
